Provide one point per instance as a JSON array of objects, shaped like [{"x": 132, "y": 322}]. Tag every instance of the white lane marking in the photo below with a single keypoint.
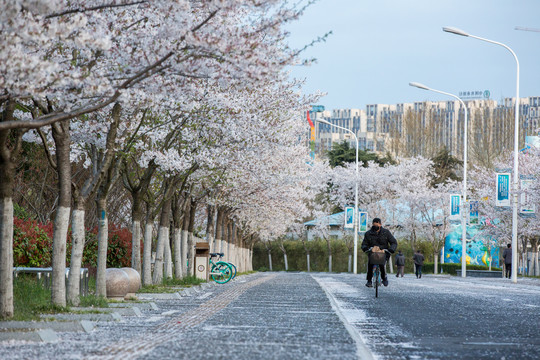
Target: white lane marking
[{"x": 362, "y": 351}]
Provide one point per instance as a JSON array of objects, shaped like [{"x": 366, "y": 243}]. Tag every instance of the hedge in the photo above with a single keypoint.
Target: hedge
[
  {"x": 450, "y": 268},
  {"x": 32, "y": 245}
]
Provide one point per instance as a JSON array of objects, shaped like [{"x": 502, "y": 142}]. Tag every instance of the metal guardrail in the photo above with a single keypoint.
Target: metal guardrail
[{"x": 46, "y": 274}]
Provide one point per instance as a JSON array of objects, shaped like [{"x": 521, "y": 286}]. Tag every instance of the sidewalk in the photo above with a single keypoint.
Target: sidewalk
[{"x": 259, "y": 316}]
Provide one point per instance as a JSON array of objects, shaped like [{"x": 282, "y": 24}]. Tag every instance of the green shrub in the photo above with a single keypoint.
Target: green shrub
[
  {"x": 32, "y": 245},
  {"x": 451, "y": 268}
]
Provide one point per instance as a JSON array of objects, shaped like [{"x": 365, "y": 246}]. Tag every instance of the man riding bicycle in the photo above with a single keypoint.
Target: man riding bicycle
[{"x": 383, "y": 238}]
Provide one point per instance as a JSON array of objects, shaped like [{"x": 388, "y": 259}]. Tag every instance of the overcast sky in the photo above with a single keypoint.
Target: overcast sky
[{"x": 379, "y": 46}]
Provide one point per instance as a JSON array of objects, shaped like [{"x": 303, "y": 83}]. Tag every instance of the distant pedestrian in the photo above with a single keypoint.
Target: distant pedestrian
[
  {"x": 418, "y": 259},
  {"x": 400, "y": 264},
  {"x": 507, "y": 256}
]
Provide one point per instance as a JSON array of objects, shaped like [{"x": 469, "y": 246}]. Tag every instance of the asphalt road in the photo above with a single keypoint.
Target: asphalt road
[
  {"x": 442, "y": 317},
  {"x": 317, "y": 316}
]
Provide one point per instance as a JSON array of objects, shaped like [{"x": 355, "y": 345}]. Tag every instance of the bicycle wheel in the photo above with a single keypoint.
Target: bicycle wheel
[
  {"x": 376, "y": 275},
  {"x": 221, "y": 272},
  {"x": 233, "y": 267}
]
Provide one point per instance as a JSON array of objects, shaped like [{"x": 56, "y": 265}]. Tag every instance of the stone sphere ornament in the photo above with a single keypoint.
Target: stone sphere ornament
[
  {"x": 134, "y": 282},
  {"x": 117, "y": 282}
]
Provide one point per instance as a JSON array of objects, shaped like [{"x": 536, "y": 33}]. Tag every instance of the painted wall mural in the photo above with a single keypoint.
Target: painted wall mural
[{"x": 478, "y": 247}]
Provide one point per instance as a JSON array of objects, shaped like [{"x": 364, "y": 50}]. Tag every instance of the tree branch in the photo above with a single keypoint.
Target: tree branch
[{"x": 93, "y": 8}]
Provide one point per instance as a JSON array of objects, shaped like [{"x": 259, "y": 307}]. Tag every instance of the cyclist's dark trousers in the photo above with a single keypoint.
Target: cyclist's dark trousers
[
  {"x": 370, "y": 272},
  {"x": 508, "y": 268},
  {"x": 418, "y": 270}
]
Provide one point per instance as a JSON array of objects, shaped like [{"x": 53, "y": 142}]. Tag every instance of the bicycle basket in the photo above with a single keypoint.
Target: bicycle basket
[{"x": 377, "y": 258}]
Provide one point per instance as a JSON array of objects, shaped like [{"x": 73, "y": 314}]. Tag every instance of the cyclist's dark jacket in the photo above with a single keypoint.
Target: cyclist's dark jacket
[{"x": 383, "y": 239}]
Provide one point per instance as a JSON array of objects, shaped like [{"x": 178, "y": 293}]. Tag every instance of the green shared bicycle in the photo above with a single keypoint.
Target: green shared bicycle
[
  {"x": 220, "y": 255},
  {"x": 220, "y": 271}
]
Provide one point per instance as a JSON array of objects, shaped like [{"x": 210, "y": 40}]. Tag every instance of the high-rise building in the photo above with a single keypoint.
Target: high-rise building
[{"x": 424, "y": 127}]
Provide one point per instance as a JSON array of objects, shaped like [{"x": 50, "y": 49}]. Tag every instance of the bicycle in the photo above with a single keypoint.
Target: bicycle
[
  {"x": 377, "y": 259},
  {"x": 220, "y": 271},
  {"x": 220, "y": 255}
]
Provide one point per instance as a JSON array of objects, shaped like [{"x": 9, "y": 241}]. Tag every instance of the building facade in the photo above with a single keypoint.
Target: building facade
[{"x": 424, "y": 127}]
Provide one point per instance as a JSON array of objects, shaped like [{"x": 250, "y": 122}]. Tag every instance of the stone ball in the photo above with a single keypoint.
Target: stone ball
[
  {"x": 117, "y": 282},
  {"x": 134, "y": 280}
]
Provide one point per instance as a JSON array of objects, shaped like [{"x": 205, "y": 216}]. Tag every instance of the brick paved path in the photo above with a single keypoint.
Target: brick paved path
[{"x": 260, "y": 316}]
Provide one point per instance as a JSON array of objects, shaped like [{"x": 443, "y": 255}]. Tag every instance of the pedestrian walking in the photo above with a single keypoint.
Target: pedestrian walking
[
  {"x": 507, "y": 256},
  {"x": 418, "y": 259},
  {"x": 400, "y": 264}
]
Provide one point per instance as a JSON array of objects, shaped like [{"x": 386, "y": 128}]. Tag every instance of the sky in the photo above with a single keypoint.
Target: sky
[{"x": 378, "y": 46}]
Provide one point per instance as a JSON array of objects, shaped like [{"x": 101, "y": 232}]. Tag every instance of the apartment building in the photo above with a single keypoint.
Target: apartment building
[{"x": 423, "y": 127}]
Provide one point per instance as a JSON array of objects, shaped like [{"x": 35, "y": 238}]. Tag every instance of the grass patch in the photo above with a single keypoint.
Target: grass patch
[
  {"x": 171, "y": 285},
  {"x": 94, "y": 301},
  {"x": 31, "y": 299}
]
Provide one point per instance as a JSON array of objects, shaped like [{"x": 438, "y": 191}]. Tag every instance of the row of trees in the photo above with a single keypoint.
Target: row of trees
[
  {"x": 182, "y": 107},
  {"x": 412, "y": 197}
]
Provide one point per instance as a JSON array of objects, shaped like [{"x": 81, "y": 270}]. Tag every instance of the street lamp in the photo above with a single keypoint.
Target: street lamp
[
  {"x": 464, "y": 207},
  {"x": 516, "y": 146},
  {"x": 356, "y": 219}
]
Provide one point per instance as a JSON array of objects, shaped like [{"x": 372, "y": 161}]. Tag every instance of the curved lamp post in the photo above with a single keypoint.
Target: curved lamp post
[
  {"x": 460, "y": 32},
  {"x": 464, "y": 207},
  {"x": 355, "y": 260}
]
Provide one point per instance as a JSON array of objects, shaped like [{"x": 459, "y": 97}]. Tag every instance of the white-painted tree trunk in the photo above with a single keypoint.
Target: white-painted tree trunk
[
  {"x": 136, "y": 245},
  {"x": 391, "y": 263},
  {"x": 349, "y": 264},
  {"x": 308, "y": 264},
  {"x": 270, "y": 261},
  {"x": 185, "y": 264},
  {"x": 178, "y": 263},
  {"x": 6, "y": 257},
  {"x": 147, "y": 255},
  {"x": 61, "y": 225},
  {"x": 168, "y": 258},
  {"x": 232, "y": 248},
  {"x": 535, "y": 262},
  {"x": 286, "y": 262},
  {"x": 329, "y": 263},
  {"x": 77, "y": 248},
  {"x": 191, "y": 253},
  {"x": 222, "y": 246},
  {"x": 103, "y": 238},
  {"x": 163, "y": 232}
]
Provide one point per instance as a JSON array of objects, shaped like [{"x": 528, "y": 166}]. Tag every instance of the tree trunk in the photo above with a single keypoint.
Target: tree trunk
[
  {"x": 103, "y": 238},
  {"x": 191, "y": 238},
  {"x": 77, "y": 249},
  {"x": 185, "y": 236},
  {"x": 210, "y": 225},
  {"x": 61, "y": 135},
  {"x": 435, "y": 263},
  {"x": 136, "y": 219},
  {"x": 219, "y": 230},
  {"x": 270, "y": 260},
  {"x": 349, "y": 265},
  {"x": 163, "y": 239},
  {"x": 308, "y": 262},
  {"x": 167, "y": 257},
  {"x": 6, "y": 250},
  {"x": 329, "y": 255},
  {"x": 7, "y": 175},
  {"x": 147, "y": 252},
  {"x": 286, "y": 262}
]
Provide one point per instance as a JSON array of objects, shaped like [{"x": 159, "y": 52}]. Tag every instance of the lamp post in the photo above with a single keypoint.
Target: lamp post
[
  {"x": 464, "y": 207},
  {"x": 356, "y": 219},
  {"x": 516, "y": 146}
]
